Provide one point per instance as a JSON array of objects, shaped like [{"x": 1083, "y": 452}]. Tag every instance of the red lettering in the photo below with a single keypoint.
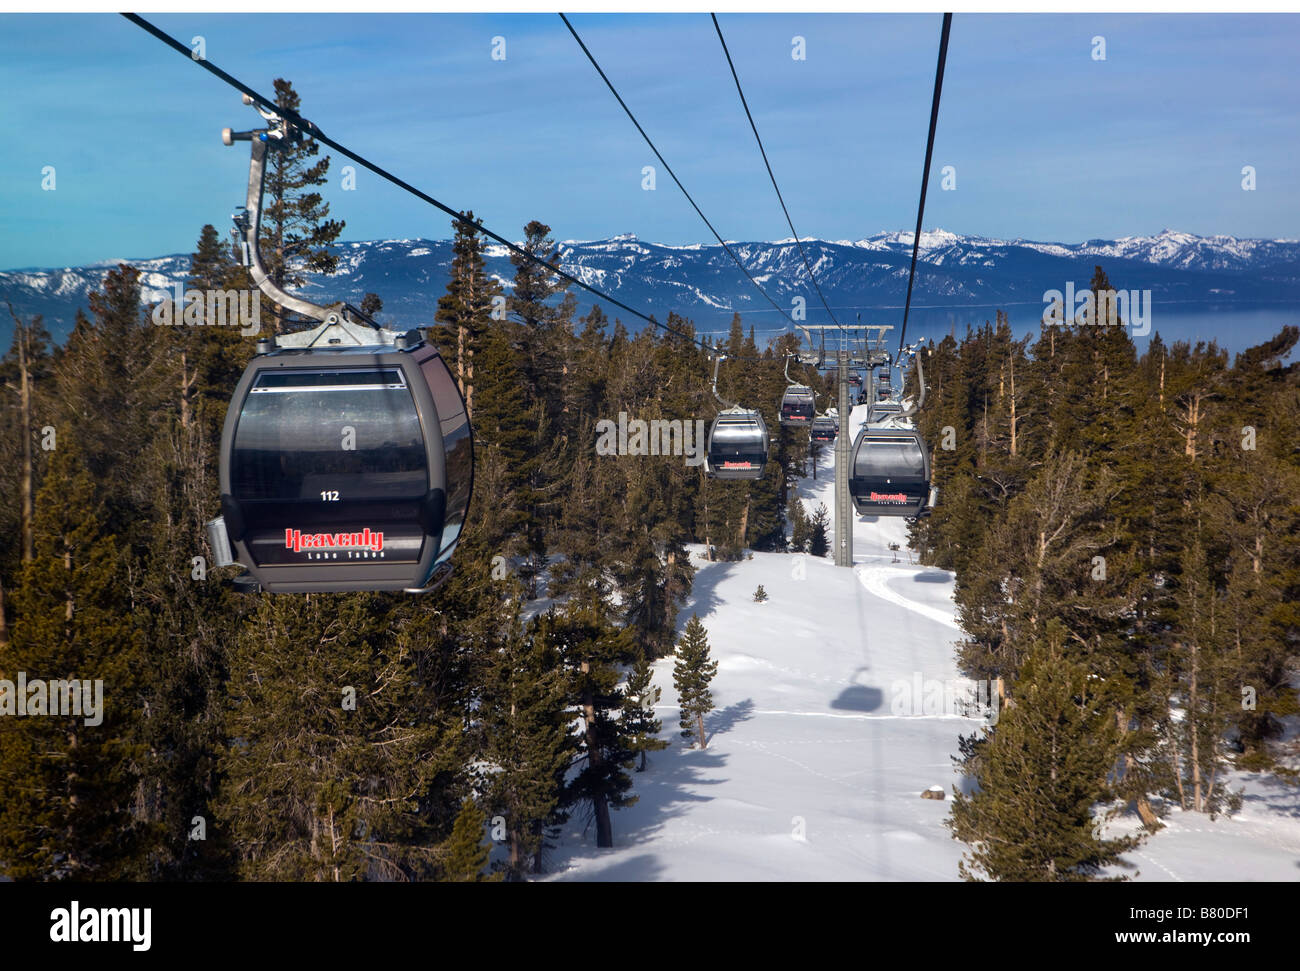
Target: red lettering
[{"x": 296, "y": 541}]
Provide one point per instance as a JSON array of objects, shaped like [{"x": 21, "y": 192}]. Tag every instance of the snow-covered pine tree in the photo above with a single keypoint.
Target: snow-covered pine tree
[{"x": 692, "y": 673}]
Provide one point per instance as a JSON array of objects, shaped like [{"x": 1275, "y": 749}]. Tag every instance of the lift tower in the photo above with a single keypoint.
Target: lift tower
[{"x": 860, "y": 346}]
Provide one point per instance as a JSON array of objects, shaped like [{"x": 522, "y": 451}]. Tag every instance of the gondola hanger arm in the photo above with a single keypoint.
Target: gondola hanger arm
[{"x": 717, "y": 362}]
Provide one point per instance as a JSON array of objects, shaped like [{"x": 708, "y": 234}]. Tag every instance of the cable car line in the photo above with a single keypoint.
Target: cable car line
[
  {"x": 745, "y": 104},
  {"x": 418, "y": 519},
  {"x": 628, "y": 111},
  {"x": 314, "y": 132},
  {"x": 925, "y": 175}
]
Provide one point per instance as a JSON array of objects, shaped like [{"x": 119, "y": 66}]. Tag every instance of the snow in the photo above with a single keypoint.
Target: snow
[{"x": 811, "y": 775}]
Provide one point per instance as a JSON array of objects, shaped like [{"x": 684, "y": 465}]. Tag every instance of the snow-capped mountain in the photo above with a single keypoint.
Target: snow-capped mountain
[{"x": 698, "y": 281}]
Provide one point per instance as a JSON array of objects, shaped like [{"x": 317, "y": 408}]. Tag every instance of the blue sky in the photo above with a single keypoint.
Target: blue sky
[{"x": 1047, "y": 142}]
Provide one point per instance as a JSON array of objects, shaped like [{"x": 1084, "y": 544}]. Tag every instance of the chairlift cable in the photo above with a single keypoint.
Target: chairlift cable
[
  {"x": 312, "y": 131},
  {"x": 628, "y": 111},
  {"x": 925, "y": 175},
  {"x": 788, "y": 221}
]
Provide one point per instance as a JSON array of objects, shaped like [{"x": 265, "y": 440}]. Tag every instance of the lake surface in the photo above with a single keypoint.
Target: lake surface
[{"x": 1232, "y": 327}]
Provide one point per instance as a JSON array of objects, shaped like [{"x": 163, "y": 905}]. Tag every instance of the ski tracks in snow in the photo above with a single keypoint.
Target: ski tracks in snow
[{"x": 875, "y": 579}]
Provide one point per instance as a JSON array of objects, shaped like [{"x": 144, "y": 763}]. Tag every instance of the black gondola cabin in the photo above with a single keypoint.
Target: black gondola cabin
[
  {"x": 824, "y": 429},
  {"x": 890, "y": 472},
  {"x": 797, "y": 406},
  {"x": 738, "y": 444},
  {"x": 346, "y": 468}
]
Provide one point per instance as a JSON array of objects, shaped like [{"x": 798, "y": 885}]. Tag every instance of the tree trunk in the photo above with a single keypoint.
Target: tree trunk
[
  {"x": 708, "y": 521},
  {"x": 68, "y": 608},
  {"x": 72, "y": 782},
  {"x": 460, "y": 358},
  {"x": 699, "y": 727},
  {"x": 516, "y": 852},
  {"x": 1141, "y": 800},
  {"x": 1193, "y": 719},
  {"x": 1013, "y": 406},
  {"x": 599, "y": 803},
  {"x": 186, "y": 382}
]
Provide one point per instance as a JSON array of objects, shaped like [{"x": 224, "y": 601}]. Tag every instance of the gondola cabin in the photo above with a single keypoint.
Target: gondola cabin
[
  {"x": 738, "y": 444},
  {"x": 797, "y": 406},
  {"x": 881, "y": 410},
  {"x": 890, "y": 474},
  {"x": 346, "y": 467},
  {"x": 824, "y": 429}
]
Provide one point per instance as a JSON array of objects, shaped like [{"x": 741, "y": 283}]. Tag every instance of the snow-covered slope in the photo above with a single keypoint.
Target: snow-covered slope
[{"x": 810, "y": 775}]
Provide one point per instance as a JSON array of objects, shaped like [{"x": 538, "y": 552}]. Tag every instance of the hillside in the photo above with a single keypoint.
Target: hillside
[{"x": 803, "y": 728}]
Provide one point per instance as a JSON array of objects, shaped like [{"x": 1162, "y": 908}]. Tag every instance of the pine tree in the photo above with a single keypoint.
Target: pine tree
[
  {"x": 502, "y": 439},
  {"x": 818, "y": 532},
  {"x": 760, "y": 595},
  {"x": 466, "y": 853},
  {"x": 465, "y": 310},
  {"x": 534, "y": 284},
  {"x": 296, "y": 231},
  {"x": 692, "y": 673},
  {"x": 23, "y": 371},
  {"x": 341, "y": 749},
  {"x": 1040, "y": 774},
  {"x": 209, "y": 360},
  {"x": 798, "y": 519},
  {"x": 544, "y": 335},
  {"x": 70, "y": 782},
  {"x": 1205, "y": 684},
  {"x": 99, "y": 379},
  {"x": 638, "y": 721},
  {"x": 592, "y": 651},
  {"x": 524, "y": 724}
]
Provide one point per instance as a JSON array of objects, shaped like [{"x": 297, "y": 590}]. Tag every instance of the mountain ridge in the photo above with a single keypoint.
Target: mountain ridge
[{"x": 699, "y": 281}]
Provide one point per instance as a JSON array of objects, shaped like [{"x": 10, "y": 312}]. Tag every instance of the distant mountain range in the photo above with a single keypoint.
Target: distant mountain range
[{"x": 866, "y": 276}]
